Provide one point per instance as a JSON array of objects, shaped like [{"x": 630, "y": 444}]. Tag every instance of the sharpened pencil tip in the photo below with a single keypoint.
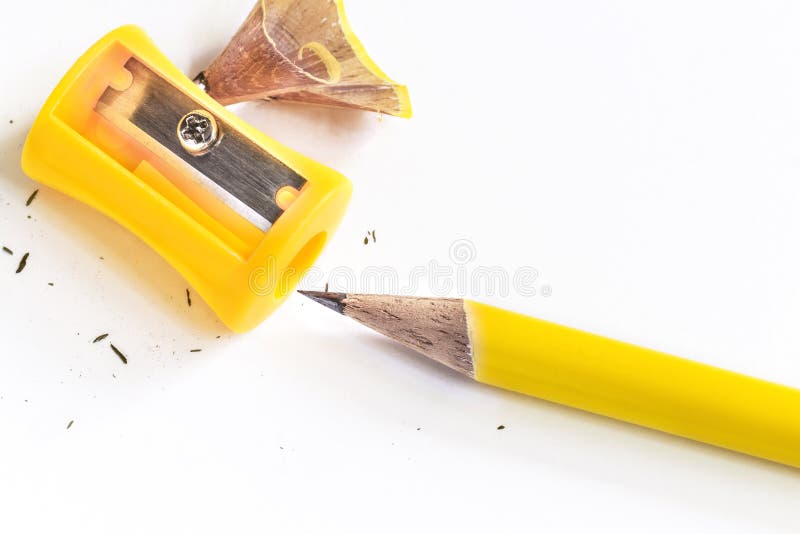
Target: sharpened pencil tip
[{"x": 332, "y": 301}]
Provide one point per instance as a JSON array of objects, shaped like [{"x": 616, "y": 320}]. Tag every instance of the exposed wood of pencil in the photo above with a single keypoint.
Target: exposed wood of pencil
[{"x": 436, "y": 328}]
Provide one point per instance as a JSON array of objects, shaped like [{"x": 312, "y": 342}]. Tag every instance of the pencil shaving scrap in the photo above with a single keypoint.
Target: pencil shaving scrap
[{"x": 302, "y": 51}]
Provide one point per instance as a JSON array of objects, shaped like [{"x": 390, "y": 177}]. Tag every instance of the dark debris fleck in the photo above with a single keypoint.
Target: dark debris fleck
[
  {"x": 30, "y": 198},
  {"x": 101, "y": 337},
  {"x": 8, "y": 251},
  {"x": 119, "y": 354},
  {"x": 23, "y": 262}
]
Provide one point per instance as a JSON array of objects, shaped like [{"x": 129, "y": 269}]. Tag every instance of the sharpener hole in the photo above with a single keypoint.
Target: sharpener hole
[{"x": 300, "y": 264}]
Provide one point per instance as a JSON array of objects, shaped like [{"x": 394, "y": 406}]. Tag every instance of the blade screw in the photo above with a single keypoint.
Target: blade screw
[{"x": 197, "y": 132}]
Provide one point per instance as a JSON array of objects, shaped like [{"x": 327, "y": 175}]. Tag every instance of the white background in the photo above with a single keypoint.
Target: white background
[{"x": 642, "y": 156}]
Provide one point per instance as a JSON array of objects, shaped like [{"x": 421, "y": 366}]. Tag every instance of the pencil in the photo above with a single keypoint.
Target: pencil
[{"x": 588, "y": 372}]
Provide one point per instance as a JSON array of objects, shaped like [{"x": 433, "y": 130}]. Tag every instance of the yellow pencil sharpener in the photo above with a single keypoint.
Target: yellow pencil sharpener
[{"x": 239, "y": 215}]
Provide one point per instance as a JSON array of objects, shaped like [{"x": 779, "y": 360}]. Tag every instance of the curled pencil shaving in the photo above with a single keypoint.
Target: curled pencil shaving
[{"x": 302, "y": 51}]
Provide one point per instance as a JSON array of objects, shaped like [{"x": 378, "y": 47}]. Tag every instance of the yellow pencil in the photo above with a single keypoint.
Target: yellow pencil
[{"x": 589, "y": 372}]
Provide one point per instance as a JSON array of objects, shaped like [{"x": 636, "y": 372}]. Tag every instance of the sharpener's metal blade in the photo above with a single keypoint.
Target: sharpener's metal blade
[{"x": 237, "y": 171}]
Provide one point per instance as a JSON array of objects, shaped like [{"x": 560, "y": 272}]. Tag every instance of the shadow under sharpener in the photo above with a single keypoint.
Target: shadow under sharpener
[{"x": 239, "y": 215}]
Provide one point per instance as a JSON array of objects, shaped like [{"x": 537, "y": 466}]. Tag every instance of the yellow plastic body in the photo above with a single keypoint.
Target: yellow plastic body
[
  {"x": 240, "y": 271},
  {"x": 633, "y": 384}
]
